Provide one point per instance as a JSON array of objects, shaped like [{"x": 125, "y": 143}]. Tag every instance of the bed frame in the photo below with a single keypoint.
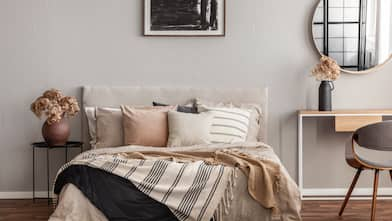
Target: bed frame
[{"x": 115, "y": 96}]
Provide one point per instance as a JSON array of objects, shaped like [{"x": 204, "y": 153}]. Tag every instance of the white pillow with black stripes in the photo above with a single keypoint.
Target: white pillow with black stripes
[{"x": 229, "y": 125}]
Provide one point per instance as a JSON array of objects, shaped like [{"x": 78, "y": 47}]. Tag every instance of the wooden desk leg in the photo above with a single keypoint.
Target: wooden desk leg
[{"x": 374, "y": 201}]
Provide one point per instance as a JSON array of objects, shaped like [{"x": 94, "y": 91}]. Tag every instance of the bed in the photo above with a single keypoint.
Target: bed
[{"x": 74, "y": 205}]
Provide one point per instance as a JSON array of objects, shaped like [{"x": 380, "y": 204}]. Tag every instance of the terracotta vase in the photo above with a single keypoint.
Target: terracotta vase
[{"x": 56, "y": 134}]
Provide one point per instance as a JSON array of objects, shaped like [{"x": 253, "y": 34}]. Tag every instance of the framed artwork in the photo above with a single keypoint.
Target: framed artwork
[{"x": 184, "y": 17}]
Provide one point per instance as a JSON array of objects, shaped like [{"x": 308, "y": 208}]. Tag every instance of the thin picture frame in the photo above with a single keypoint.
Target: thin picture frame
[{"x": 221, "y": 32}]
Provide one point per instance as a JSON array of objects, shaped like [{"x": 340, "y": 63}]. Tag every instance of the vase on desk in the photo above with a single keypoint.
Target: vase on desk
[{"x": 325, "y": 95}]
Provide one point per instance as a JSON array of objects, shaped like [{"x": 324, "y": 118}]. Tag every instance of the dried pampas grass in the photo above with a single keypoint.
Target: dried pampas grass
[
  {"x": 326, "y": 70},
  {"x": 54, "y": 106}
]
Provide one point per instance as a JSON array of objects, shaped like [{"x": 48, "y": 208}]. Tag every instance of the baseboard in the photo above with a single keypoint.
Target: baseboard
[
  {"x": 339, "y": 193},
  {"x": 24, "y": 195}
]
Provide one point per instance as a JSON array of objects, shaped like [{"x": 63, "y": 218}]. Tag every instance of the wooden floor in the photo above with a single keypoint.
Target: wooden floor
[
  {"x": 24, "y": 210},
  {"x": 355, "y": 210},
  {"x": 21, "y": 210}
]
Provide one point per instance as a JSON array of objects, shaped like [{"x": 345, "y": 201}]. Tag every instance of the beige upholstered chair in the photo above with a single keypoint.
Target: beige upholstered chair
[{"x": 376, "y": 136}]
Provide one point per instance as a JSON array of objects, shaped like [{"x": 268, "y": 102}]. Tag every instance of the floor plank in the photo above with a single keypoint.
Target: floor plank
[
  {"x": 23, "y": 210},
  {"x": 355, "y": 211},
  {"x": 20, "y": 210}
]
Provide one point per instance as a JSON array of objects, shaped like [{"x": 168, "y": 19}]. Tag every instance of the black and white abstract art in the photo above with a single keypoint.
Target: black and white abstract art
[{"x": 184, "y": 17}]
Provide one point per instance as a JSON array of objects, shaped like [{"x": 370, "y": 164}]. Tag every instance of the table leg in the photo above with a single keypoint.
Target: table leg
[
  {"x": 47, "y": 171},
  {"x": 33, "y": 174},
  {"x": 66, "y": 154},
  {"x": 300, "y": 154}
]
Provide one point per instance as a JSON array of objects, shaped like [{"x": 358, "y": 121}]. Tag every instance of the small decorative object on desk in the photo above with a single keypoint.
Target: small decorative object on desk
[
  {"x": 56, "y": 107},
  {"x": 326, "y": 71}
]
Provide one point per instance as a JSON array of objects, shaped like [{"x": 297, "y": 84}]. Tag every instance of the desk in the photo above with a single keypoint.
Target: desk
[{"x": 344, "y": 120}]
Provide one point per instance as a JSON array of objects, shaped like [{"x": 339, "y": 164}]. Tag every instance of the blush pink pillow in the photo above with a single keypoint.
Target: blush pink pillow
[{"x": 145, "y": 127}]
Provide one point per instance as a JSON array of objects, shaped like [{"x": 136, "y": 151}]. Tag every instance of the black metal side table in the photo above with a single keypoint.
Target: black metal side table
[{"x": 44, "y": 145}]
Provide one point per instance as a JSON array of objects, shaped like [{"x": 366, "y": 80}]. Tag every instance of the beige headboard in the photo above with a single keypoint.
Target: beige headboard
[{"x": 115, "y": 96}]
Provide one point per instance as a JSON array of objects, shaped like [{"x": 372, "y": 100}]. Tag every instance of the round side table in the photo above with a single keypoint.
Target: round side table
[{"x": 44, "y": 145}]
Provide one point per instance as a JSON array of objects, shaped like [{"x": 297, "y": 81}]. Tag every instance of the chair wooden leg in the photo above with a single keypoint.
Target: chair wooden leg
[
  {"x": 390, "y": 174},
  {"x": 350, "y": 190},
  {"x": 375, "y": 187}
]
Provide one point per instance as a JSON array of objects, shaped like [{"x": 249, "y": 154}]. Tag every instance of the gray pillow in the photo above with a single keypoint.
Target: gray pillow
[
  {"x": 109, "y": 131},
  {"x": 180, "y": 108}
]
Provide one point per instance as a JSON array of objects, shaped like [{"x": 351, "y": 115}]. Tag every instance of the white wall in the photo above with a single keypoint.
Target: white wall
[{"x": 69, "y": 43}]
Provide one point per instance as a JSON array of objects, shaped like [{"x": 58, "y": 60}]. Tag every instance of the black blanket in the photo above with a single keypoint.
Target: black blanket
[{"x": 114, "y": 196}]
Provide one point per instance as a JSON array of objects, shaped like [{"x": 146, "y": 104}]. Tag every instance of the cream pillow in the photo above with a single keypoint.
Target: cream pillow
[
  {"x": 145, "y": 127},
  {"x": 92, "y": 124},
  {"x": 255, "y": 119},
  {"x": 229, "y": 125},
  {"x": 186, "y": 129}
]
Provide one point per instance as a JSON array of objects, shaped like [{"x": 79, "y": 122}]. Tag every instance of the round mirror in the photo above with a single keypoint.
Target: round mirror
[{"x": 356, "y": 33}]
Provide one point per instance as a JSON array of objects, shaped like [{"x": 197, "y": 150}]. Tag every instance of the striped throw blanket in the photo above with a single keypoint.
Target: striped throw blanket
[{"x": 191, "y": 190}]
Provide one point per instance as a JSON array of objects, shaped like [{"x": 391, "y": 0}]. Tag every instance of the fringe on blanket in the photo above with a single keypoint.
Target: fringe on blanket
[
  {"x": 228, "y": 196},
  {"x": 225, "y": 203}
]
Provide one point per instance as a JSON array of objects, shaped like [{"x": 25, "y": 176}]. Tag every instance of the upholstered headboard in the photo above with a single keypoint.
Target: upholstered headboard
[{"x": 115, "y": 96}]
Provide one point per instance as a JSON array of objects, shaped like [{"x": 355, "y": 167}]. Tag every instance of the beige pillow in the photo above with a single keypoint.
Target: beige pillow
[
  {"x": 145, "y": 127},
  {"x": 109, "y": 131},
  {"x": 256, "y": 115},
  {"x": 187, "y": 129}
]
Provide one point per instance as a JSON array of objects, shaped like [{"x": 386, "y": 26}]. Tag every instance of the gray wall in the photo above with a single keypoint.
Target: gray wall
[{"x": 69, "y": 43}]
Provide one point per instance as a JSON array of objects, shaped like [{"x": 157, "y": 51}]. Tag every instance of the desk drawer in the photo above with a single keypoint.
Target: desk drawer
[{"x": 352, "y": 123}]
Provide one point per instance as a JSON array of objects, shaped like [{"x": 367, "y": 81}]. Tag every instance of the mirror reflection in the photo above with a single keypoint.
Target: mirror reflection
[{"x": 356, "y": 33}]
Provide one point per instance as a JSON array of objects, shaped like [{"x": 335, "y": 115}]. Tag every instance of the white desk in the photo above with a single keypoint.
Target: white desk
[{"x": 363, "y": 116}]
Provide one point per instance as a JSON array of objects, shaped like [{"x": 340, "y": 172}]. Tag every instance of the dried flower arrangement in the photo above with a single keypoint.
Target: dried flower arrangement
[
  {"x": 55, "y": 106},
  {"x": 326, "y": 70}
]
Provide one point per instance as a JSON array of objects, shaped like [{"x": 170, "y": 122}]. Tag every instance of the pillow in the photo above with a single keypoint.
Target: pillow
[
  {"x": 110, "y": 121},
  {"x": 180, "y": 108},
  {"x": 91, "y": 123},
  {"x": 187, "y": 129},
  {"x": 255, "y": 119},
  {"x": 109, "y": 131},
  {"x": 145, "y": 127},
  {"x": 229, "y": 125}
]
